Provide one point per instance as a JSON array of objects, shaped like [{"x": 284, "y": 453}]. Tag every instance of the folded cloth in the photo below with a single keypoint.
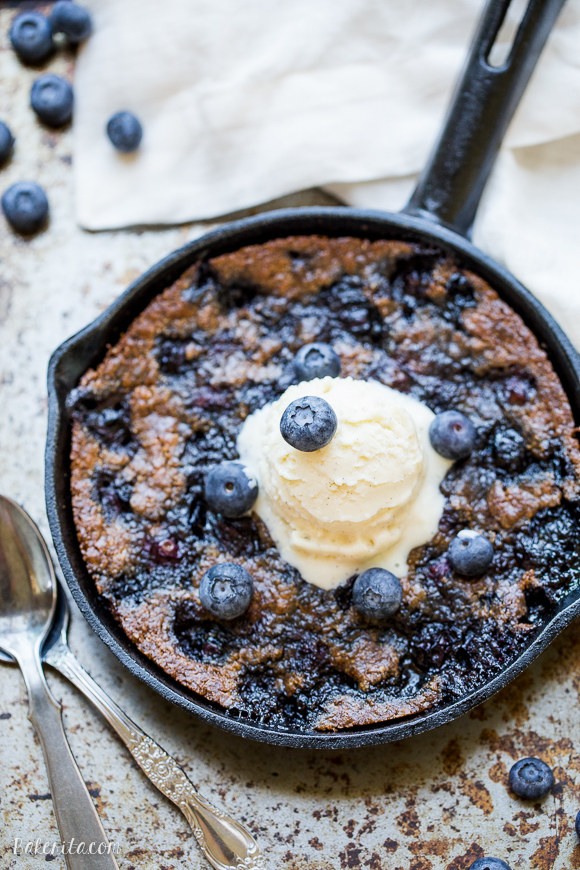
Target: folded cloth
[{"x": 243, "y": 103}]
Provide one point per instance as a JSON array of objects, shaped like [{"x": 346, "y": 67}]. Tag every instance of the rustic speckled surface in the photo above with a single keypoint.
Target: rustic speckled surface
[{"x": 436, "y": 802}]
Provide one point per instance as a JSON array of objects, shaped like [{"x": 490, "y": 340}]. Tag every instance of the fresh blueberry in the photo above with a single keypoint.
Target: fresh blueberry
[
  {"x": 230, "y": 490},
  {"x": 226, "y": 590},
  {"x": 577, "y": 825},
  {"x": 25, "y": 206},
  {"x": 71, "y": 19},
  {"x": 6, "y": 142},
  {"x": 531, "y": 778},
  {"x": 470, "y": 553},
  {"x": 452, "y": 435},
  {"x": 51, "y": 98},
  {"x": 316, "y": 360},
  {"x": 31, "y": 37},
  {"x": 377, "y": 593},
  {"x": 489, "y": 864},
  {"x": 308, "y": 424},
  {"x": 125, "y": 131}
]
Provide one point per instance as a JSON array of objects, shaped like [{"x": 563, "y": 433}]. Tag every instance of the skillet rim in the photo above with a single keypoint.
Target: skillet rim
[{"x": 89, "y": 345}]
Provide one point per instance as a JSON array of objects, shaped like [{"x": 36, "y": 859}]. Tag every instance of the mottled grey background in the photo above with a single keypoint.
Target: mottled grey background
[{"x": 436, "y": 802}]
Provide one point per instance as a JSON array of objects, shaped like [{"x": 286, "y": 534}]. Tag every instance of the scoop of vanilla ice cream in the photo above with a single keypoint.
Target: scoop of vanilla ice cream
[{"x": 366, "y": 499}]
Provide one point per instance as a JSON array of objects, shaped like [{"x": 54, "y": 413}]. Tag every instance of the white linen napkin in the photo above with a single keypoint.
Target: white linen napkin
[{"x": 243, "y": 103}]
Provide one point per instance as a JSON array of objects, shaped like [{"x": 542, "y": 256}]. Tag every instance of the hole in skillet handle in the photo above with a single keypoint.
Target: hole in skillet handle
[
  {"x": 486, "y": 96},
  {"x": 498, "y": 54}
]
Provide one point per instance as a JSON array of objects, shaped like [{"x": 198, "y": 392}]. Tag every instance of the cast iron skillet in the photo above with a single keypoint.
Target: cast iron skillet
[{"x": 441, "y": 211}]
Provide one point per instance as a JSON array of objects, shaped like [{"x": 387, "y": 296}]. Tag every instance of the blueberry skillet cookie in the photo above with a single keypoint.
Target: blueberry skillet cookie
[{"x": 327, "y": 482}]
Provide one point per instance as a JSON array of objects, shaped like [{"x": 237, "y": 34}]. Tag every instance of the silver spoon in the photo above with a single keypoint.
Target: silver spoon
[
  {"x": 27, "y": 606},
  {"x": 226, "y": 844}
]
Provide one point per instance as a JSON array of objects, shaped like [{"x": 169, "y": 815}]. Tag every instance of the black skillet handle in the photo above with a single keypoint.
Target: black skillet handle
[{"x": 450, "y": 186}]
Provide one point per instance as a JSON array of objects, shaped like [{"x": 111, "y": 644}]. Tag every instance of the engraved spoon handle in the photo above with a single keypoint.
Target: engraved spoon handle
[
  {"x": 80, "y": 828},
  {"x": 226, "y": 844}
]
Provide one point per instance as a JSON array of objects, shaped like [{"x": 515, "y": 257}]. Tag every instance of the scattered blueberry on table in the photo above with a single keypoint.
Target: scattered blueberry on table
[
  {"x": 51, "y": 97},
  {"x": 489, "y": 864},
  {"x": 6, "y": 142},
  {"x": 230, "y": 490},
  {"x": 377, "y": 594},
  {"x": 577, "y": 824},
  {"x": 531, "y": 778},
  {"x": 31, "y": 37},
  {"x": 31, "y": 34},
  {"x": 125, "y": 131},
  {"x": 226, "y": 590},
  {"x": 316, "y": 360},
  {"x": 470, "y": 553},
  {"x": 72, "y": 20},
  {"x": 25, "y": 206},
  {"x": 452, "y": 435},
  {"x": 308, "y": 424}
]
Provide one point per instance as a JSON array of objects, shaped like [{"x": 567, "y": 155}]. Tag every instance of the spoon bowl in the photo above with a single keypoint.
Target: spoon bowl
[{"x": 27, "y": 581}]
